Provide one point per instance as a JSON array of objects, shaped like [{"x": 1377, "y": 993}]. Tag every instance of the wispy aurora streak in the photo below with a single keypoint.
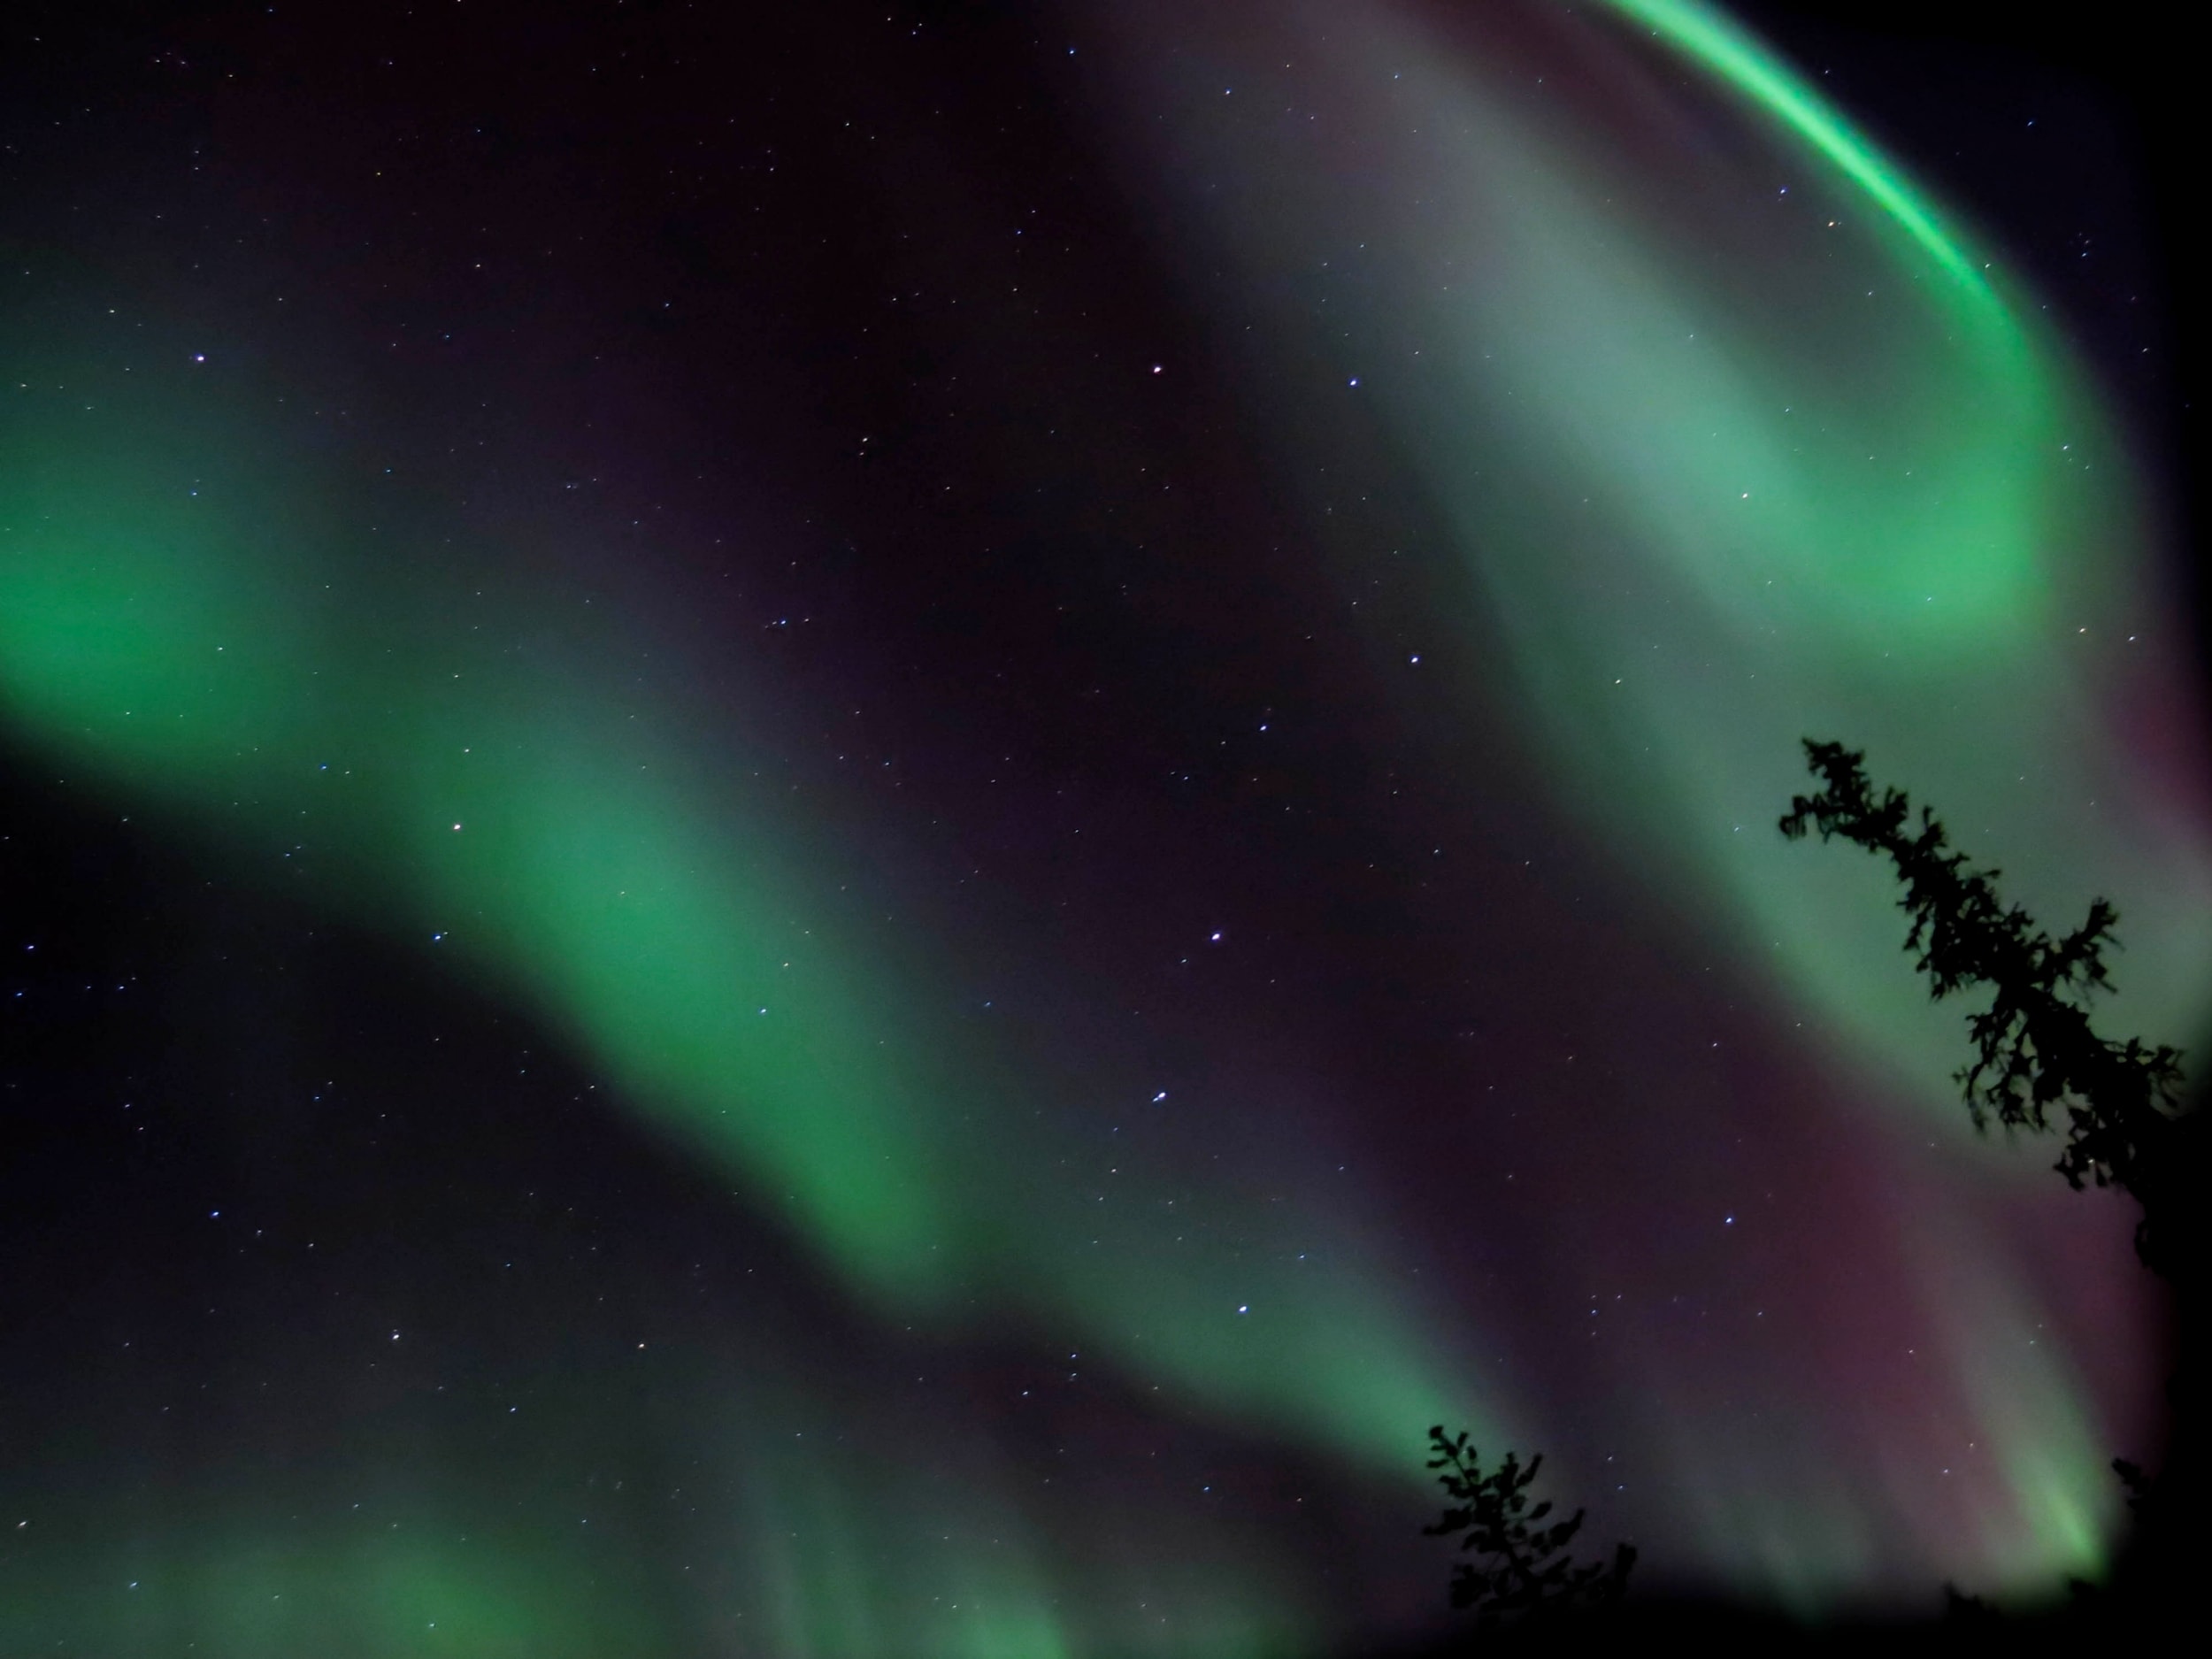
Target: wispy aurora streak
[
  {"x": 191, "y": 628},
  {"x": 184, "y": 620},
  {"x": 1737, "y": 442}
]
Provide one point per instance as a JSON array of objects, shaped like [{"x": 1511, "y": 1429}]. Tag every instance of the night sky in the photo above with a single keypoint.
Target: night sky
[{"x": 839, "y": 830}]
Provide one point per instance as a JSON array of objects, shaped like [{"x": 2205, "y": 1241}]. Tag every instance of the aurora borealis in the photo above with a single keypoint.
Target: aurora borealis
[{"x": 900, "y": 817}]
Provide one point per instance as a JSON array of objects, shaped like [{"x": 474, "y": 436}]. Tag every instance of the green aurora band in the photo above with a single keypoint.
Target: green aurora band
[{"x": 1868, "y": 505}]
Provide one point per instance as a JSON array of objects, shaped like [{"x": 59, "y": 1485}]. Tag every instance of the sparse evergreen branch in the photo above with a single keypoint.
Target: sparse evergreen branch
[
  {"x": 1524, "y": 1567},
  {"x": 2034, "y": 1047}
]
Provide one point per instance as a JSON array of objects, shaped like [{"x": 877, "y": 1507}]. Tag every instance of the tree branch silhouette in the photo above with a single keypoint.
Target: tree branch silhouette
[{"x": 2035, "y": 1052}]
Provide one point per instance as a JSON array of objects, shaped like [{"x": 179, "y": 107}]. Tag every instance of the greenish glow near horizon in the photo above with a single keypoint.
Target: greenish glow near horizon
[
  {"x": 802, "y": 1565},
  {"x": 252, "y": 1594}
]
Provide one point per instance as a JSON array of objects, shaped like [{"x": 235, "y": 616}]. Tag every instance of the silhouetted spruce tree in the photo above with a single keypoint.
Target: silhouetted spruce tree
[
  {"x": 1522, "y": 1569},
  {"x": 2035, "y": 1050},
  {"x": 2125, "y": 1121}
]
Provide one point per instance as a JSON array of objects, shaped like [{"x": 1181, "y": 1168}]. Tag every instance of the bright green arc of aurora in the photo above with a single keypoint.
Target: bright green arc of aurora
[{"x": 1711, "y": 40}]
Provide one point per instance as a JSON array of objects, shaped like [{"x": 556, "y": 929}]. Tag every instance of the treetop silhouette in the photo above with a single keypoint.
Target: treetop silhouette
[{"x": 1523, "y": 1568}]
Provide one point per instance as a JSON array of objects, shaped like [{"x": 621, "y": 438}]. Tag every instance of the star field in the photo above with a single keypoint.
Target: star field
[{"x": 859, "y": 832}]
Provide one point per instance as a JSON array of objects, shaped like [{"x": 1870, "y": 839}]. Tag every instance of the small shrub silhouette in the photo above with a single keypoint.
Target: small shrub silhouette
[{"x": 1524, "y": 1568}]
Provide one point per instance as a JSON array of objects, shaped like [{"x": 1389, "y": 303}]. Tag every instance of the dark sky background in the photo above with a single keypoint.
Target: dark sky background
[{"x": 878, "y": 506}]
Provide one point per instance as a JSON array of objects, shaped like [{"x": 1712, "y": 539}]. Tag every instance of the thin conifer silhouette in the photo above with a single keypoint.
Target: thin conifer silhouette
[{"x": 2035, "y": 1050}]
